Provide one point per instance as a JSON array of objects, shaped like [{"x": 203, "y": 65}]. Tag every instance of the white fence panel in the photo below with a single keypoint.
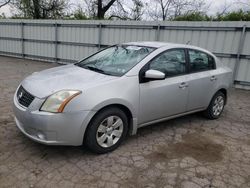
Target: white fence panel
[{"x": 69, "y": 41}]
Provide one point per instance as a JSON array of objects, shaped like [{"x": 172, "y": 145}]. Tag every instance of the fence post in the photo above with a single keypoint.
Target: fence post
[
  {"x": 99, "y": 35},
  {"x": 22, "y": 39},
  {"x": 240, "y": 48},
  {"x": 157, "y": 35},
  {"x": 56, "y": 42}
]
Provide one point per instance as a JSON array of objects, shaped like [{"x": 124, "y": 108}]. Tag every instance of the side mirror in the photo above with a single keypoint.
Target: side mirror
[{"x": 154, "y": 75}]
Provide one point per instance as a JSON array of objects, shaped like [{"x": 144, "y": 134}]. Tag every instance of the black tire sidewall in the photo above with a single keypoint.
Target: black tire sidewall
[
  {"x": 91, "y": 141},
  {"x": 210, "y": 108}
]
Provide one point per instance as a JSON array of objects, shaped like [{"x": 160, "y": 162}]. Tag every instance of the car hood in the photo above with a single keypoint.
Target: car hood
[{"x": 44, "y": 83}]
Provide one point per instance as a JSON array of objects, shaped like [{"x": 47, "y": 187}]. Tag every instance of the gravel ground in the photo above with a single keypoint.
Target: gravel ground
[{"x": 189, "y": 152}]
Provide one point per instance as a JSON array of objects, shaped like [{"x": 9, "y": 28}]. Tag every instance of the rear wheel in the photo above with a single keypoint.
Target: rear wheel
[
  {"x": 107, "y": 130},
  {"x": 216, "y": 106}
]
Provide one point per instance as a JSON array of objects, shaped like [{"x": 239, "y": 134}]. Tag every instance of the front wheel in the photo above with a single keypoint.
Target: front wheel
[
  {"x": 216, "y": 106},
  {"x": 107, "y": 130}
]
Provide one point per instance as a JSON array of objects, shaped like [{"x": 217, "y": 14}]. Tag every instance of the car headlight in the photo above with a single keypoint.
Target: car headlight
[{"x": 57, "y": 101}]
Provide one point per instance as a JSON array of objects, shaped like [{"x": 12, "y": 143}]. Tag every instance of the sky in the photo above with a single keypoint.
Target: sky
[{"x": 215, "y": 6}]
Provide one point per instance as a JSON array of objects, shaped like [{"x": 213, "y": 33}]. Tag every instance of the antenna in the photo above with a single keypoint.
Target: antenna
[{"x": 188, "y": 42}]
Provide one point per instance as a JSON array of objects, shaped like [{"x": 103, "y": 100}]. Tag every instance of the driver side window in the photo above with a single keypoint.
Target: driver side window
[{"x": 171, "y": 62}]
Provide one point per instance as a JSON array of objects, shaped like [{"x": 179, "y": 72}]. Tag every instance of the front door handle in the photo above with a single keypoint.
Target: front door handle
[
  {"x": 183, "y": 85},
  {"x": 213, "y": 78}
]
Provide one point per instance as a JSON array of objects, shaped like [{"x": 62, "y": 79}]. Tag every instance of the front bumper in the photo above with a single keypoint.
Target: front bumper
[{"x": 51, "y": 128}]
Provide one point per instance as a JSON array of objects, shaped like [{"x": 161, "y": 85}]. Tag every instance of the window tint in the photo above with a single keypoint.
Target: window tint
[
  {"x": 171, "y": 62},
  {"x": 200, "y": 61}
]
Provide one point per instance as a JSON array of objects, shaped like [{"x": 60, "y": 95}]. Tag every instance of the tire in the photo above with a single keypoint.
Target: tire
[
  {"x": 213, "y": 112},
  {"x": 103, "y": 133}
]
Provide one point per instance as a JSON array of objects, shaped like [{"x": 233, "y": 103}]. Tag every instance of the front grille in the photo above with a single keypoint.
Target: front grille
[{"x": 24, "y": 97}]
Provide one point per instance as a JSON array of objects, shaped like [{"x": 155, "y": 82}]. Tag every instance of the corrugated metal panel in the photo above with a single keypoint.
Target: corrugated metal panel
[
  {"x": 39, "y": 32},
  {"x": 246, "y": 47},
  {"x": 39, "y": 49},
  {"x": 215, "y": 41},
  {"x": 75, "y": 52},
  {"x": 242, "y": 86},
  {"x": 229, "y": 62},
  {"x": 77, "y": 34},
  {"x": 72, "y": 40},
  {"x": 120, "y": 35},
  {"x": 244, "y": 73},
  {"x": 10, "y": 46},
  {"x": 10, "y": 31}
]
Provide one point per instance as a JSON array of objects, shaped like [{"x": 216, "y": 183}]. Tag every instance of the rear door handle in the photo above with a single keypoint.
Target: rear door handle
[
  {"x": 183, "y": 85},
  {"x": 213, "y": 78}
]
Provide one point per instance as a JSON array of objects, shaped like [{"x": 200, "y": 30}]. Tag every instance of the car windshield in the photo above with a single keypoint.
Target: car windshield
[{"x": 115, "y": 60}]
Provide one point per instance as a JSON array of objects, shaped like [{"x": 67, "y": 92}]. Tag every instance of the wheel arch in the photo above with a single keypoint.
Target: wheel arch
[
  {"x": 129, "y": 113},
  {"x": 224, "y": 91}
]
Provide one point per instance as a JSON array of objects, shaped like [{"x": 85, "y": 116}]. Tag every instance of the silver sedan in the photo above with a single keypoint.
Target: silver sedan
[{"x": 109, "y": 95}]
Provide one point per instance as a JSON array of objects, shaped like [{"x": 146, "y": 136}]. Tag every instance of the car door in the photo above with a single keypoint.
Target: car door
[
  {"x": 163, "y": 98},
  {"x": 200, "y": 78}
]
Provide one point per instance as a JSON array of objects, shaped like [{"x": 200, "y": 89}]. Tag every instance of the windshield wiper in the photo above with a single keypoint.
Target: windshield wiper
[{"x": 95, "y": 69}]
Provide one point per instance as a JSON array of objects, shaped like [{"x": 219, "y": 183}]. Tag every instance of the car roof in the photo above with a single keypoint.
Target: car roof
[
  {"x": 156, "y": 44},
  {"x": 148, "y": 44}
]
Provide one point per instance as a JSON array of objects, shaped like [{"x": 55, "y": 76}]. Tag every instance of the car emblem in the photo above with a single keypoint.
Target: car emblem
[{"x": 20, "y": 95}]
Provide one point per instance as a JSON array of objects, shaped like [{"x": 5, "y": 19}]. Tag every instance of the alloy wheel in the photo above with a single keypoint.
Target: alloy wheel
[
  {"x": 218, "y": 106},
  {"x": 109, "y": 131}
]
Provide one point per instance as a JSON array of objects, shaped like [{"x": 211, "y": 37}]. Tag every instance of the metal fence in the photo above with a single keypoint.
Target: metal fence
[{"x": 68, "y": 41}]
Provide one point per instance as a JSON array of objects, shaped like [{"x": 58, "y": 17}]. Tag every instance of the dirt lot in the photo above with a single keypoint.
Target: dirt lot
[{"x": 186, "y": 152}]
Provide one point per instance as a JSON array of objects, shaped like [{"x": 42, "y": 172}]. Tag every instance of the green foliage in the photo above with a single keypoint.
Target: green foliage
[
  {"x": 239, "y": 15},
  {"x": 194, "y": 16},
  {"x": 80, "y": 15}
]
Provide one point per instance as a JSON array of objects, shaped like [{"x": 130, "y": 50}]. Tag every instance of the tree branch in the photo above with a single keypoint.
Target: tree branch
[
  {"x": 105, "y": 8},
  {"x": 5, "y": 3},
  {"x": 121, "y": 18}
]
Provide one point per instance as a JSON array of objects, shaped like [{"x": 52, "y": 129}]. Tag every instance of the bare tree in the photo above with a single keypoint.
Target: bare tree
[
  {"x": 4, "y": 2},
  {"x": 137, "y": 10},
  {"x": 102, "y": 9},
  {"x": 41, "y": 9},
  {"x": 90, "y": 8},
  {"x": 119, "y": 9},
  {"x": 98, "y": 8},
  {"x": 245, "y": 3},
  {"x": 169, "y": 9},
  {"x": 224, "y": 8},
  {"x": 131, "y": 10},
  {"x": 159, "y": 9},
  {"x": 188, "y": 6}
]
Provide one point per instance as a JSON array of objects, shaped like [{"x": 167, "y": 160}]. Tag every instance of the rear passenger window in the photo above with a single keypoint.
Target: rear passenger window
[{"x": 200, "y": 61}]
